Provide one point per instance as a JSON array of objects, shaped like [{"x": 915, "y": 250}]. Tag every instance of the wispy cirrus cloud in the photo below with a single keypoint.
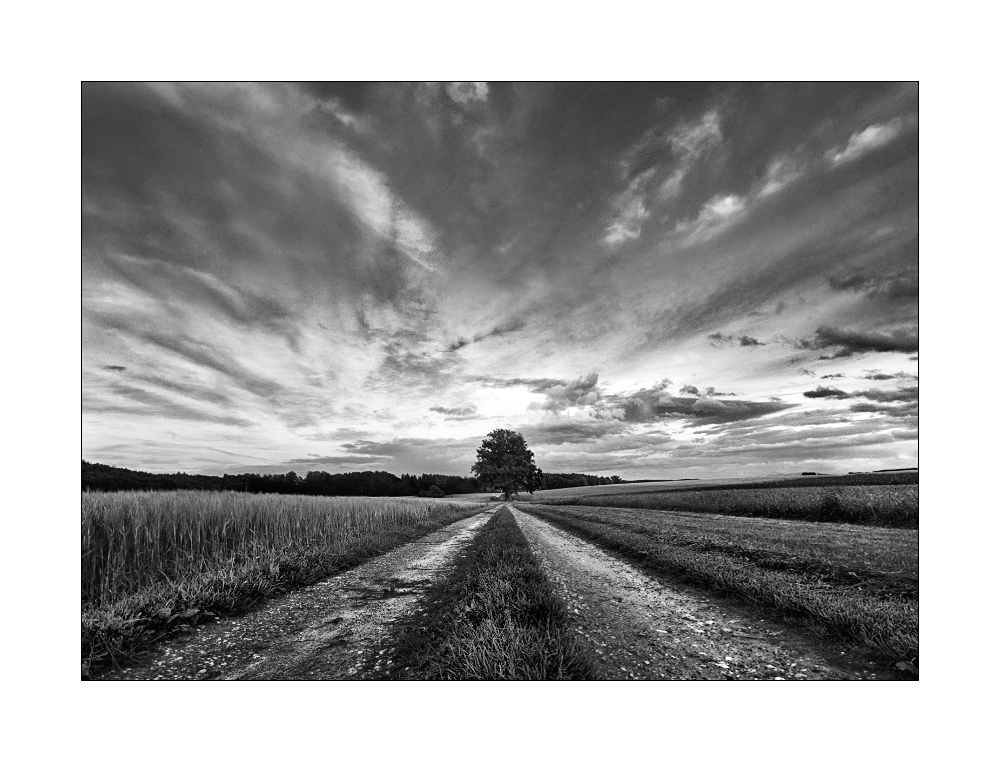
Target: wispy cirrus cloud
[
  {"x": 671, "y": 151},
  {"x": 715, "y": 216},
  {"x": 871, "y": 138}
]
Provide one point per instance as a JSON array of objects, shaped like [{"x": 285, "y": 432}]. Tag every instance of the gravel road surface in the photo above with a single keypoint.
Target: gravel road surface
[
  {"x": 641, "y": 628},
  {"x": 326, "y": 631}
]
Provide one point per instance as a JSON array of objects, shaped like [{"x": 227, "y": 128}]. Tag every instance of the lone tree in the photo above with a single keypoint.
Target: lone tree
[{"x": 505, "y": 463}]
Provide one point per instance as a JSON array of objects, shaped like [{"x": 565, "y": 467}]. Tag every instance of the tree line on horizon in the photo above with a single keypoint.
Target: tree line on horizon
[{"x": 98, "y": 477}]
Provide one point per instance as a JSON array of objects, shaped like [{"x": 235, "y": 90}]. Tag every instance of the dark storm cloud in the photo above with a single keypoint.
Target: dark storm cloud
[
  {"x": 906, "y": 394},
  {"x": 744, "y": 341},
  {"x": 850, "y": 342},
  {"x": 909, "y": 410},
  {"x": 116, "y": 368},
  {"x": 827, "y": 391},
  {"x": 656, "y": 404},
  {"x": 874, "y": 375}
]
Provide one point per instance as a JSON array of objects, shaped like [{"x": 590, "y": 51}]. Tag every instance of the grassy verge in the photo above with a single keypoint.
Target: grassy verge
[
  {"x": 857, "y": 584},
  {"x": 155, "y": 564},
  {"x": 495, "y": 617},
  {"x": 882, "y": 505}
]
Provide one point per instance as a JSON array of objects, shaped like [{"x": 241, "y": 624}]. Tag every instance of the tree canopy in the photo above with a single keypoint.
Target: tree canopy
[{"x": 504, "y": 462}]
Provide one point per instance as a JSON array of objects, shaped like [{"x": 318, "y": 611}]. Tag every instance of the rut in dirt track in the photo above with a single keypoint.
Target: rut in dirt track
[
  {"x": 326, "y": 631},
  {"x": 640, "y": 628}
]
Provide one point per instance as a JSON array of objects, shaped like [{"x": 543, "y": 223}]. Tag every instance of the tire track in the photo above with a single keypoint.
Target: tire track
[
  {"x": 326, "y": 631},
  {"x": 640, "y": 628}
]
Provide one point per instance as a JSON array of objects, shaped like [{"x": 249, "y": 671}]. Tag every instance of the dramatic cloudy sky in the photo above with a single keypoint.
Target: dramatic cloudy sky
[{"x": 645, "y": 280}]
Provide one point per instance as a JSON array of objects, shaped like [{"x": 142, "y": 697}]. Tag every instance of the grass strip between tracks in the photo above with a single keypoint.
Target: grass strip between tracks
[
  {"x": 494, "y": 617},
  {"x": 779, "y": 568},
  {"x": 112, "y": 632}
]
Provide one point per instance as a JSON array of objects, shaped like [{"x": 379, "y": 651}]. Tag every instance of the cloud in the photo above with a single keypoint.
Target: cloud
[
  {"x": 744, "y": 341},
  {"x": 512, "y": 325},
  {"x": 715, "y": 216},
  {"x": 907, "y": 394},
  {"x": 657, "y": 165},
  {"x": 879, "y": 284},
  {"x": 456, "y": 413},
  {"x": 854, "y": 342},
  {"x": 874, "y": 375},
  {"x": 151, "y": 405},
  {"x": 579, "y": 392},
  {"x": 195, "y": 352},
  {"x": 685, "y": 142},
  {"x": 909, "y": 410},
  {"x": 827, "y": 391},
  {"x": 781, "y": 173},
  {"x": 833, "y": 375},
  {"x": 537, "y": 385},
  {"x": 406, "y": 364},
  {"x": 630, "y": 211},
  {"x": 337, "y": 263},
  {"x": 870, "y": 139},
  {"x": 467, "y": 93},
  {"x": 656, "y": 404},
  {"x": 572, "y": 431}
]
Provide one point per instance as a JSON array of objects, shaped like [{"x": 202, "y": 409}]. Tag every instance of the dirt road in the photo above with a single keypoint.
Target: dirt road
[
  {"x": 322, "y": 632},
  {"x": 640, "y": 628}
]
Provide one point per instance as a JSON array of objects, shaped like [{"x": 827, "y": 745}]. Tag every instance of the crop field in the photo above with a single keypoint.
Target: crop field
[
  {"x": 418, "y": 588},
  {"x": 880, "y": 505},
  {"x": 869, "y": 479},
  {"x": 851, "y": 583},
  {"x": 153, "y": 562}
]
